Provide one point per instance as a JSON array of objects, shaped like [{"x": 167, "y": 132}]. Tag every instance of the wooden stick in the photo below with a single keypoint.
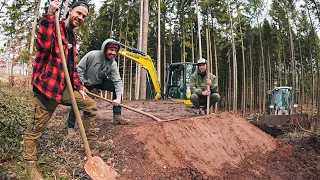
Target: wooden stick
[
  {"x": 127, "y": 107},
  {"x": 208, "y": 70}
]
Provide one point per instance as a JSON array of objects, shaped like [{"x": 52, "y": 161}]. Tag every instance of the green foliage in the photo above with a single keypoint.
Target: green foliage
[{"x": 14, "y": 111}]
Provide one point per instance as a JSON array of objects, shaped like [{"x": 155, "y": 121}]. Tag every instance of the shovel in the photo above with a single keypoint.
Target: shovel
[
  {"x": 127, "y": 107},
  {"x": 136, "y": 110},
  {"x": 95, "y": 167}
]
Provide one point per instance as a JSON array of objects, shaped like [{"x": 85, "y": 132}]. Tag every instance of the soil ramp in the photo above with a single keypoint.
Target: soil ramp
[
  {"x": 219, "y": 146},
  {"x": 206, "y": 143}
]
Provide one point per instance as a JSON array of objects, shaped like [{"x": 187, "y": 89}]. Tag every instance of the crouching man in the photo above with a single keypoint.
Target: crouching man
[
  {"x": 199, "y": 90},
  {"x": 98, "y": 69}
]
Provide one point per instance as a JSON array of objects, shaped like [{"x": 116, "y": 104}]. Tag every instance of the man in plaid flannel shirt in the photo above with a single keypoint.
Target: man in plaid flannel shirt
[{"x": 49, "y": 83}]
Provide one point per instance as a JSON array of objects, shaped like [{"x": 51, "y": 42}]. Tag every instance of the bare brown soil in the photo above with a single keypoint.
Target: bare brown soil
[{"x": 218, "y": 146}]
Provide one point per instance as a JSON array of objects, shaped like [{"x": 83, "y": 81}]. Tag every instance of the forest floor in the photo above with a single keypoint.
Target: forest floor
[{"x": 217, "y": 146}]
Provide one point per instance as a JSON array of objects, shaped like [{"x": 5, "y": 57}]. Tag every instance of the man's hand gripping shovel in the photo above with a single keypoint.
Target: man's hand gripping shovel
[{"x": 95, "y": 167}]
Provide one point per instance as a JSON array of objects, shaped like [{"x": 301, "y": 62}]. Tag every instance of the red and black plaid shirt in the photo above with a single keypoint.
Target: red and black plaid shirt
[{"x": 48, "y": 76}]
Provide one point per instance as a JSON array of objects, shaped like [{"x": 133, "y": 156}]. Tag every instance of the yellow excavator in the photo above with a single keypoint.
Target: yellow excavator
[{"x": 177, "y": 76}]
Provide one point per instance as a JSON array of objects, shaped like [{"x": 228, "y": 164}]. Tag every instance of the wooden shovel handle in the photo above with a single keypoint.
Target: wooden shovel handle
[
  {"x": 208, "y": 71},
  {"x": 73, "y": 100},
  {"x": 127, "y": 107}
]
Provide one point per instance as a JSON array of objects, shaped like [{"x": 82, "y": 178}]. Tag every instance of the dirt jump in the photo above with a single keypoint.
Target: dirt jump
[{"x": 217, "y": 146}]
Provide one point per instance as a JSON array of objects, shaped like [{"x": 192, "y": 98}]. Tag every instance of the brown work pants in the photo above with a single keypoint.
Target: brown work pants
[{"x": 42, "y": 112}]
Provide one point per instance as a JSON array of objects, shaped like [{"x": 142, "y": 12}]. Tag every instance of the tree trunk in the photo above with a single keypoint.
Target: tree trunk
[
  {"x": 243, "y": 75},
  {"x": 251, "y": 79},
  {"x": 130, "y": 82},
  {"x": 263, "y": 72},
  {"x": 227, "y": 92},
  {"x": 138, "y": 67},
  {"x": 159, "y": 46},
  {"x": 113, "y": 9},
  {"x": 199, "y": 34},
  {"x": 270, "y": 71},
  {"x": 183, "y": 46},
  {"x": 301, "y": 91},
  {"x": 279, "y": 83},
  {"x": 313, "y": 89},
  {"x": 120, "y": 37},
  {"x": 164, "y": 67},
  {"x": 170, "y": 44},
  {"x": 317, "y": 57},
  {"x": 66, "y": 6},
  {"x": 124, "y": 61},
  {"x": 143, "y": 77},
  {"x": 131, "y": 73},
  {"x": 284, "y": 67},
  {"x": 192, "y": 44},
  {"x": 260, "y": 88},
  {"x": 235, "y": 73},
  {"x": 171, "y": 52},
  {"x": 34, "y": 27},
  {"x": 301, "y": 94},
  {"x": 230, "y": 84},
  {"x": 292, "y": 61}
]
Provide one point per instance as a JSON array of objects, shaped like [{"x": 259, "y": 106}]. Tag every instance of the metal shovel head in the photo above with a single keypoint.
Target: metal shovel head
[{"x": 97, "y": 169}]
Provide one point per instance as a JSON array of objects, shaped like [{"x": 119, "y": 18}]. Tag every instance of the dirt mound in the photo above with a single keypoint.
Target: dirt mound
[
  {"x": 196, "y": 144},
  {"x": 220, "y": 146},
  {"x": 286, "y": 162}
]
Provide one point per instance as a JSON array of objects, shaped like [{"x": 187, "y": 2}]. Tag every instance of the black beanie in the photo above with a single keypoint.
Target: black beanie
[{"x": 79, "y": 3}]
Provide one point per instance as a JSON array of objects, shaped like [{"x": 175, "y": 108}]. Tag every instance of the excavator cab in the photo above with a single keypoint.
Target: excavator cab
[
  {"x": 178, "y": 76},
  {"x": 177, "y": 81},
  {"x": 281, "y": 113},
  {"x": 280, "y": 106},
  {"x": 280, "y": 101}
]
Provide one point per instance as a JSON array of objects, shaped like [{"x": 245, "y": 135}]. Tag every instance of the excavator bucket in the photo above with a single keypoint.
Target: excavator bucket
[
  {"x": 276, "y": 125},
  {"x": 281, "y": 110},
  {"x": 274, "y": 119}
]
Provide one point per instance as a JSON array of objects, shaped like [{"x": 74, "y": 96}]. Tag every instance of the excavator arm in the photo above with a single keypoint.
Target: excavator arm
[{"x": 147, "y": 63}]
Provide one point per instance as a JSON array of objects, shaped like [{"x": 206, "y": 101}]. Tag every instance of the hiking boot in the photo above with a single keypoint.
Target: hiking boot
[
  {"x": 202, "y": 111},
  {"x": 118, "y": 119},
  {"x": 196, "y": 111},
  {"x": 33, "y": 170},
  {"x": 71, "y": 132},
  {"x": 212, "y": 109},
  {"x": 97, "y": 146}
]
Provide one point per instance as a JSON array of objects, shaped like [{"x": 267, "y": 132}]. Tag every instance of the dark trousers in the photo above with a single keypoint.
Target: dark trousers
[
  {"x": 197, "y": 101},
  {"x": 106, "y": 85}
]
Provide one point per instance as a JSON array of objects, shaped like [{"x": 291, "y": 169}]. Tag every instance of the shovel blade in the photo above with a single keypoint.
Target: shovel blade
[{"x": 97, "y": 169}]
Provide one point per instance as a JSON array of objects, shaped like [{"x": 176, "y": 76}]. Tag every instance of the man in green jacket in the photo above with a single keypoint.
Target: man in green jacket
[{"x": 199, "y": 88}]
